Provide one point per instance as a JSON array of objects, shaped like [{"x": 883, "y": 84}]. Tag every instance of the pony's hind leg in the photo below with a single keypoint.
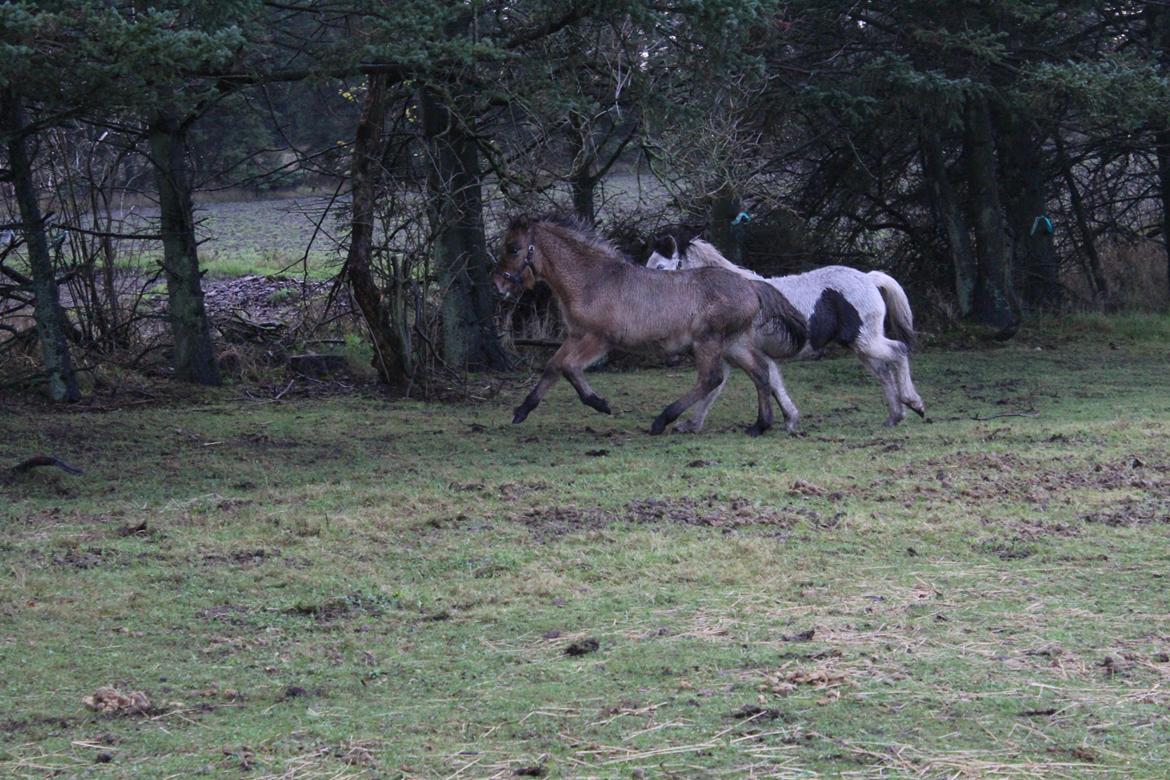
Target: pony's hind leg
[
  {"x": 754, "y": 363},
  {"x": 694, "y": 423},
  {"x": 707, "y": 361},
  {"x": 791, "y": 413},
  {"x": 906, "y": 391},
  {"x": 887, "y": 359}
]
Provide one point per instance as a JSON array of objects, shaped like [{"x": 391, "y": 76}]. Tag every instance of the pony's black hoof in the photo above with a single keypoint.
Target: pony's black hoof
[
  {"x": 599, "y": 403},
  {"x": 919, "y": 411},
  {"x": 520, "y": 415},
  {"x": 756, "y": 430},
  {"x": 657, "y": 427}
]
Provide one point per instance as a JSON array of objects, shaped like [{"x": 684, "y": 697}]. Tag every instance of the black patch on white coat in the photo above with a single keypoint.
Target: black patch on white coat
[{"x": 833, "y": 319}]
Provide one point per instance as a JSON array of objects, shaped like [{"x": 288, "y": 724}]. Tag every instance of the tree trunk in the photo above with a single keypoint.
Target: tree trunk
[
  {"x": 50, "y": 318},
  {"x": 388, "y": 329},
  {"x": 1158, "y": 23},
  {"x": 1162, "y": 142},
  {"x": 995, "y": 303},
  {"x": 1035, "y": 261},
  {"x": 194, "y": 355},
  {"x": 950, "y": 216},
  {"x": 582, "y": 182},
  {"x": 583, "y": 188},
  {"x": 470, "y": 341}
]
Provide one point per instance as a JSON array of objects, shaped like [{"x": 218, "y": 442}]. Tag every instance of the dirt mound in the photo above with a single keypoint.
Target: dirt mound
[{"x": 108, "y": 700}]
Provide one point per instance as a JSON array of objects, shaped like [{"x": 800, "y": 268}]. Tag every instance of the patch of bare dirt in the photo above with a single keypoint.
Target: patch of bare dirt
[
  {"x": 351, "y": 605},
  {"x": 243, "y": 558},
  {"x": 1132, "y": 512},
  {"x": 552, "y": 522},
  {"x": 712, "y": 511},
  {"x": 14, "y": 725},
  {"x": 992, "y": 478},
  {"x": 513, "y": 491},
  {"x": 226, "y": 613}
]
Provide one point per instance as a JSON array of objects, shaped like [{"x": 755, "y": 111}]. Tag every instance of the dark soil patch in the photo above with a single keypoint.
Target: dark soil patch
[
  {"x": 712, "y": 511},
  {"x": 350, "y": 605},
  {"x": 82, "y": 559},
  {"x": 1005, "y": 550},
  {"x": 583, "y": 647},
  {"x": 14, "y": 725},
  {"x": 244, "y": 558},
  {"x": 226, "y": 613},
  {"x": 803, "y": 636},
  {"x": 513, "y": 491},
  {"x": 1132, "y": 512},
  {"x": 993, "y": 478},
  {"x": 553, "y": 522},
  {"x": 92, "y": 557}
]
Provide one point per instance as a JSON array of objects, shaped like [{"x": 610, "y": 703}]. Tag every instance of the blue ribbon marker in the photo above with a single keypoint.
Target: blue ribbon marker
[
  {"x": 742, "y": 216},
  {"x": 1043, "y": 224}
]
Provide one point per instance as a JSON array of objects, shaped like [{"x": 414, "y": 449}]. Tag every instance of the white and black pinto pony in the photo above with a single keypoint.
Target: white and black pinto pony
[{"x": 844, "y": 305}]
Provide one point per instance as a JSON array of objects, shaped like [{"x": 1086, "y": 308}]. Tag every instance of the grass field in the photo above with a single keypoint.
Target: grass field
[
  {"x": 351, "y": 587},
  {"x": 273, "y": 236}
]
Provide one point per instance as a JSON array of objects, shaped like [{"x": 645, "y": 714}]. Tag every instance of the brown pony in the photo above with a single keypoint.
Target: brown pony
[{"x": 606, "y": 303}]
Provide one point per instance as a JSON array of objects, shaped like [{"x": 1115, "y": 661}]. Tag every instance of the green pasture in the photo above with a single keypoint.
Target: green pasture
[{"x": 359, "y": 587}]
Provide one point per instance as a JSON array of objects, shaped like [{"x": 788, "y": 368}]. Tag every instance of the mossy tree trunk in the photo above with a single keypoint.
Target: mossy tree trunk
[
  {"x": 470, "y": 340},
  {"x": 388, "y": 329},
  {"x": 995, "y": 303},
  {"x": 1035, "y": 260},
  {"x": 194, "y": 358},
  {"x": 47, "y": 311},
  {"x": 951, "y": 220}
]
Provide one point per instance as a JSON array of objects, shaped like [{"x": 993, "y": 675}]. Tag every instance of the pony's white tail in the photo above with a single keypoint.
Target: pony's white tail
[{"x": 899, "y": 318}]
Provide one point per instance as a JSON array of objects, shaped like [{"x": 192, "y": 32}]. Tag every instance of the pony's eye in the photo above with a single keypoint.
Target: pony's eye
[{"x": 513, "y": 248}]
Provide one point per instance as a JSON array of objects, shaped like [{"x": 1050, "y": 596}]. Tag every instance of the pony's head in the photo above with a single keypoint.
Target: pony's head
[
  {"x": 514, "y": 271},
  {"x": 664, "y": 254}
]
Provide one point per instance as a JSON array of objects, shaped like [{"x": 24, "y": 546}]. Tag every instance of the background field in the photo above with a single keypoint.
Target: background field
[
  {"x": 266, "y": 236},
  {"x": 350, "y": 587}
]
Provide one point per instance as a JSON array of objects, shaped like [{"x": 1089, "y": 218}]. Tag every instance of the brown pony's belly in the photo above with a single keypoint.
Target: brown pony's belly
[{"x": 648, "y": 338}]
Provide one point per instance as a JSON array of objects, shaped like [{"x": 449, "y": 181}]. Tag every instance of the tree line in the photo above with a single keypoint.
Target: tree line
[{"x": 991, "y": 153}]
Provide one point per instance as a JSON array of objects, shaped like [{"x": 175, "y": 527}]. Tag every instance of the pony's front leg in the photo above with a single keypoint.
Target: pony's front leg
[
  {"x": 885, "y": 377},
  {"x": 552, "y": 372},
  {"x": 586, "y": 351},
  {"x": 708, "y": 381},
  {"x": 694, "y": 423}
]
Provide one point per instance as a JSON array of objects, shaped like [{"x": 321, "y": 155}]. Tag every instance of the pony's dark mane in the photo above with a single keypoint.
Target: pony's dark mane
[{"x": 577, "y": 229}]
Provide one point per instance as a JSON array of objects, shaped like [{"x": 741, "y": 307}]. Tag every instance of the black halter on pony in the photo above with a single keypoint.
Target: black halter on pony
[{"x": 517, "y": 279}]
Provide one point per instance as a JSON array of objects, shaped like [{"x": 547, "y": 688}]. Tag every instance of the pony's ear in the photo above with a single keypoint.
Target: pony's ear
[
  {"x": 519, "y": 222},
  {"x": 663, "y": 244}
]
